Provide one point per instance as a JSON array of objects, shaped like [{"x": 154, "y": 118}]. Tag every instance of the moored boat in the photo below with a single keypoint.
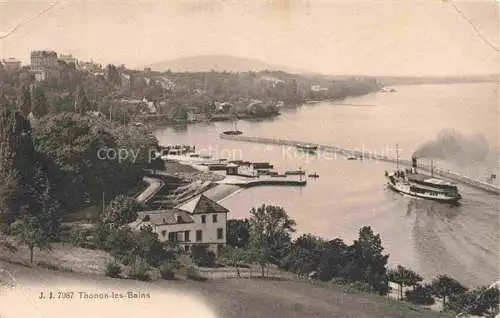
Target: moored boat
[
  {"x": 295, "y": 172},
  {"x": 308, "y": 147}
]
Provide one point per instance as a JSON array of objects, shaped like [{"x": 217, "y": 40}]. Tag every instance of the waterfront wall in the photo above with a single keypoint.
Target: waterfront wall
[{"x": 366, "y": 155}]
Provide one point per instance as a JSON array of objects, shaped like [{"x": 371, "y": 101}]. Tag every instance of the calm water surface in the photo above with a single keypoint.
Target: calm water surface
[{"x": 429, "y": 237}]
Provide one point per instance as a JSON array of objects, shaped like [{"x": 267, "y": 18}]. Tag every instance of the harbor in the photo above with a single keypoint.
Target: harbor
[
  {"x": 351, "y": 154},
  {"x": 223, "y": 177}
]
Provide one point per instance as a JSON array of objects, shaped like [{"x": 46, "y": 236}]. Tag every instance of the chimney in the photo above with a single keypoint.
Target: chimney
[{"x": 414, "y": 164}]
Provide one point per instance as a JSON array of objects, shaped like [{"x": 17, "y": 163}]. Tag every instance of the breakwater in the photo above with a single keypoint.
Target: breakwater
[{"x": 369, "y": 156}]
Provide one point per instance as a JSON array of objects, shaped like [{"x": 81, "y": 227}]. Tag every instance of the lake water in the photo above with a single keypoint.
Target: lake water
[{"x": 431, "y": 238}]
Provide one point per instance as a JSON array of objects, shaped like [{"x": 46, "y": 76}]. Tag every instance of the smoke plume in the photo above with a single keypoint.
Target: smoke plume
[{"x": 452, "y": 146}]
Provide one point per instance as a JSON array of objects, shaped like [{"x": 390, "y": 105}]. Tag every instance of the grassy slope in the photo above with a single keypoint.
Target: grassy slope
[{"x": 242, "y": 298}]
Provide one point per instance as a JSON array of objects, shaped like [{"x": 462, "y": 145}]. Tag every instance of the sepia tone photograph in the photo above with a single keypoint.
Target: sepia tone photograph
[{"x": 249, "y": 158}]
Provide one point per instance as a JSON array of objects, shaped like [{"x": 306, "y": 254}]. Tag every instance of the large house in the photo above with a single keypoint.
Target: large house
[
  {"x": 44, "y": 65},
  {"x": 199, "y": 221}
]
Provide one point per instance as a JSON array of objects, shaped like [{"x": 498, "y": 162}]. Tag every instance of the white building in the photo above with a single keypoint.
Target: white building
[
  {"x": 199, "y": 221},
  {"x": 12, "y": 63},
  {"x": 318, "y": 88},
  {"x": 68, "y": 58}
]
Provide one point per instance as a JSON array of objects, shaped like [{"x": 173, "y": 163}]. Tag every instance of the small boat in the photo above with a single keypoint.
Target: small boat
[
  {"x": 313, "y": 175},
  {"x": 308, "y": 147},
  {"x": 295, "y": 172},
  {"x": 232, "y": 132},
  {"x": 262, "y": 165}
]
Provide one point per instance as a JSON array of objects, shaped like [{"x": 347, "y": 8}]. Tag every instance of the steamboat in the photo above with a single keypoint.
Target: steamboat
[{"x": 412, "y": 183}]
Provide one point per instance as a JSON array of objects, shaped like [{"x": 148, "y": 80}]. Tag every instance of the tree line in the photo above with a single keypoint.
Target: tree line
[
  {"x": 265, "y": 239},
  {"x": 79, "y": 91}
]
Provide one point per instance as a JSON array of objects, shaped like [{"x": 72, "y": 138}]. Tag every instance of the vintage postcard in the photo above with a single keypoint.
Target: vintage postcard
[{"x": 249, "y": 158}]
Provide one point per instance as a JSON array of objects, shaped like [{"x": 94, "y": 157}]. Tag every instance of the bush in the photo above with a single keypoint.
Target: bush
[
  {"x": 48, "y": 266},
  {"x": 339, "y": 281},
  {"x": 141, "y": 273},
  {"x": 113, "y": 270},
  {"x": 202, "y": 256},
  {"x": 193, "y": 274},
  {"x": 167, "y": 271},
  {"x": 421, "y": 295},
  {"x": 77, "y": 236},
  {"x": 359, "y": 286},
  {"x": 352, "y": 286},
  {"x": 100, "y": 236}
]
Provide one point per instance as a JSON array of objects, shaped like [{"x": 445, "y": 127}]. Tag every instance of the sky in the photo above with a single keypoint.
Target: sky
[{"x": 372, "y": 37}]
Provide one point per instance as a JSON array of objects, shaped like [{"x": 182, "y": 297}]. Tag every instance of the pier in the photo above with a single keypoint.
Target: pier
[
  {"x": 247, "y": 182},
  {"x": 370, "y": 156}
]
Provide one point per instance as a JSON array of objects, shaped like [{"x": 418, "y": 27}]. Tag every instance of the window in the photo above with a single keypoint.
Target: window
[
  {"x": 199, "y": 235},
  {"x": 186, "y": 248},
  {"x": 179, "y": 219},
  {"x": 203, "y": 219},
  {"x": 163, "y": 233},
  {"x": 186, "y": 236},
  {"x": 220, "y": 233},
  {"x": 214, "y": 218},
  {"x": 179, "y": 236},
  {"x": 171, "y": 236}
]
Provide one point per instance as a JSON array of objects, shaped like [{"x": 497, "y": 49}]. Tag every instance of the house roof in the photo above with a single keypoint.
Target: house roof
[
  {"x": 165, "y": 217},
  {"x": 200, "y": 205}
]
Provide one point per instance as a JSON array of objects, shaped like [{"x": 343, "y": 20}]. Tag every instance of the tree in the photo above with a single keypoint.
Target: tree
[
  {"x": 112, "y": 75},
  {"x": 420, "y": 295},
  {"x": 122, "y": 245},
  {"x": 403, "y": 277},
  {"x": 235, "y": 257},
  {"x": 333, "y": 260},
  {"x": 16, "y": 161},
  {"x": 25, "y": 101},
  {"x": 121, "y": 210},
  {"x": 304, "y": 254},
  {"x": 270, "y": 235},
  {"x": 82, "y": 104},
  {"x": 367, "y": 263},
  {"x": 40, "y": 105},
  {"x": 71, "y": 142},
  {"x": 238, "y": 233},
  {"x": 149, "y": 248},
  {"x": 481, "y": 301},
  {"x": 444, "y": 286},
  {"x": 31, "y": 231},
  {"x": 202, "y": 256},
  {"x": 43, "y": 200}
]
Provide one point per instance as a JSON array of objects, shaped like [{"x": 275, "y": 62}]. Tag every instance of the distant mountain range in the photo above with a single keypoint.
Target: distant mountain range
[{"x": 219, "y": 63}]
